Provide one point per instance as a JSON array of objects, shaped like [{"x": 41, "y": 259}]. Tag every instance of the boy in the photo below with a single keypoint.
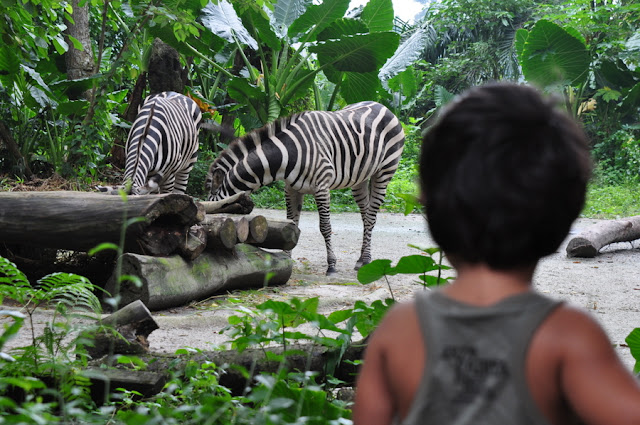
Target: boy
[{"x": 503, "y": 176}]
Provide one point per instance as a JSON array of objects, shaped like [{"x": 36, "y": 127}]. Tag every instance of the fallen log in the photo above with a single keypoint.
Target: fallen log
[
  {"x": 221, "y": 232},
  {"x": 104, "y": 381},
  {"x": 194, "y": 243},
  {"x": 308, "y": 357},
  {"x": 134, "y": 323},
  {"x": 281, "y": 234},
  {"x": 79, "y": 221},
  {"x": 172, "y": 281},
  {"x": 589, "y": 242},
  {"x": 242, "y": 228},
  {"x": 258, "y": 229},
  {"x": 240, "y": 203}
]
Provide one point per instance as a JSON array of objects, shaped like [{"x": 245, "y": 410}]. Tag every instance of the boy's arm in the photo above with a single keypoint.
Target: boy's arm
[
  {"x": 374, "y": 402},
  {"x": 596, "y": 384}
]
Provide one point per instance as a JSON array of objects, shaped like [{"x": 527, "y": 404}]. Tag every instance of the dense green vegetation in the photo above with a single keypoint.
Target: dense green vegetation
[{"x": 65, "y": 92}]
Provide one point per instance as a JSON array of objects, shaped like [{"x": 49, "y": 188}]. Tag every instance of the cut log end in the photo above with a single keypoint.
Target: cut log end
[{"x": 581, "y": 247}]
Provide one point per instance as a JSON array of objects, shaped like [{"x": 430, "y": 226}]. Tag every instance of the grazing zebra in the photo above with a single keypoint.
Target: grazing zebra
[
  {"x": 314, "y": 152},
  {"x": 162, "y": 145}
]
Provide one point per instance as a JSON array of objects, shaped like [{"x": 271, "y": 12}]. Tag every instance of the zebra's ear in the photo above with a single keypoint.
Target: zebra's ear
[{"x": 217, "y": 177}]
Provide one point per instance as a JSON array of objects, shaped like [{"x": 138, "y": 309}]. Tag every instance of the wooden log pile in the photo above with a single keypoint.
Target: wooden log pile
[{"x": 179, "y": 249}]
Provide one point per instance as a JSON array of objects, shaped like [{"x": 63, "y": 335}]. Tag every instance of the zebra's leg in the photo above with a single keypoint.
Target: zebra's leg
[
  {"x": 181, "y": 181},
  {"x": 361, "y": 195},
  {"x": 323, "y": 199},
  {"x": 374, "y": 192},
  {"x": 168, "y": 184},
  {"x": 293, "y": 199},
  {"x": 182, "y": 176}
]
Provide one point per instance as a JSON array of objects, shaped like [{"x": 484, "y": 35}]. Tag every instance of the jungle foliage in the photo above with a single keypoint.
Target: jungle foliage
[{"x": 249, "y": 62}]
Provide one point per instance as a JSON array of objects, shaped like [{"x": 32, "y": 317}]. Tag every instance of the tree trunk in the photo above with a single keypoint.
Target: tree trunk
[
  {"x": 79, "y": 63},
  {"x": 134, "y": 323},
  {"x": 165, "y": 70},
  {"x": 240, "y": 203},
  {"x": 316, "y": 359},
  {"x": 14, "y": 149},
  {"x": 79, "y": 221},
  {"x": 258, "y": 228},
  {"x": 281, "y": 234},
  {"x": 221, "y": 232},
  {"x": 242, "y": 228},
  {"x": 171, "y": 281},
  {"x": 589, "y": 242}
]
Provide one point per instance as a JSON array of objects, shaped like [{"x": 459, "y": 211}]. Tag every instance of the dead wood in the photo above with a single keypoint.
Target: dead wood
[
  {"x": 307, "y": 357},
  {"x": 194, "y": 244},
  {"x": 240, "y": 203},
  {"x": 590, "y": 241},
  {"x": 281, "y": 234},
  {"x": 171, "y": 281},
  {"x": 221, "y": 232},
  {"x": 134, "y": 323},
  {"x": 242, "y": 228},
  {"x": 80, "y": 221}
]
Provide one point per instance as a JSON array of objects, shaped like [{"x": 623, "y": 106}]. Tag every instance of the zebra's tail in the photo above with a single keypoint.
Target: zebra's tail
[{"x": 152, "y": 186}]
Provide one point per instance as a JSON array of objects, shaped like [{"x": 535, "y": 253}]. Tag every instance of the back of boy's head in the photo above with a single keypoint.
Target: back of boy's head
[{"x": 504, "y": 175}]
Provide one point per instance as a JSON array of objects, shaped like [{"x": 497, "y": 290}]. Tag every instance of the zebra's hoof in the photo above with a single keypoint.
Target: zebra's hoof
[
  {"x": 331, "y": 271},
  {"x": 360, "y": 264}
]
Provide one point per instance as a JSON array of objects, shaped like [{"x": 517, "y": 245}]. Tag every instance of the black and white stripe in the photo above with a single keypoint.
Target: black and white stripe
[
  {"x": 163, "y": 144},
  {"x": 314, "y": 152}
]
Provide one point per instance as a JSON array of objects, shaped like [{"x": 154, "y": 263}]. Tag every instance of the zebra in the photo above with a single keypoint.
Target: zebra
[
  {"x": 162, "y": 145},
  {"x": 315, "y": 152}
]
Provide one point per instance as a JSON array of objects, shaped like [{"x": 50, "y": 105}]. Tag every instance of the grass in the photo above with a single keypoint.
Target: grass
[
  {"x": 612, "y": 201},
  {"x": 603, "y": 201}
]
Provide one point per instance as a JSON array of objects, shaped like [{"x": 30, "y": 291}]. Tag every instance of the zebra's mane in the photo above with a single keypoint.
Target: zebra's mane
[{"x": 262, "y": 133}]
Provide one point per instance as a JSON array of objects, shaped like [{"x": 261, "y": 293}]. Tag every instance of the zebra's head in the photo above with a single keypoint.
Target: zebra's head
[{"x": 213, "y": 183}]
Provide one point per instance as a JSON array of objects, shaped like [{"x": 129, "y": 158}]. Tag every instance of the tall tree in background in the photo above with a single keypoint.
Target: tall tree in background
[{"x": 79, "y": 58}]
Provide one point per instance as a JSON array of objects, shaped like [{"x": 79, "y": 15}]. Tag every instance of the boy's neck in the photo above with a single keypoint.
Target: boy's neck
[{"x": 478, "y": 284}]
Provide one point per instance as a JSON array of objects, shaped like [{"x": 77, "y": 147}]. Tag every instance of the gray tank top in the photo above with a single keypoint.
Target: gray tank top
[{"x": 475, "y": 372}]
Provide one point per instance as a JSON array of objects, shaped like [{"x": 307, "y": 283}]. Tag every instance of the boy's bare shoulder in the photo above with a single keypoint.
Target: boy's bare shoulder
[
  {"x": 400, "y": 320},
  {"x": 575, "y": 327}
]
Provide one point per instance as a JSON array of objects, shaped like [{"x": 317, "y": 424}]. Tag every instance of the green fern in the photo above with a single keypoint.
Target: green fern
[
  {"x": 69, "y": 291},
  {"x": 13, "y": 283}
]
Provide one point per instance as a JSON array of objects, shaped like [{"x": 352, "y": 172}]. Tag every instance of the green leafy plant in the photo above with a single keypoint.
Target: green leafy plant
[
  {"x": 49, "y": 365},
  {"x": 348, "y": 51},
  {"x": 420, "y": 264},
  {"x": 633, "y": 341}
]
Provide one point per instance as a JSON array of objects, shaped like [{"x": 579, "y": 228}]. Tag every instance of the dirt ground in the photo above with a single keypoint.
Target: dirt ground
[{"x": 608, "y": 285}]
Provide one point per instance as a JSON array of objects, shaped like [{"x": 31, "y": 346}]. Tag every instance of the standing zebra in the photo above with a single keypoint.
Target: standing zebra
[
  {"x": 163, "y": 144},
  {"x": 314, "y": 152}
]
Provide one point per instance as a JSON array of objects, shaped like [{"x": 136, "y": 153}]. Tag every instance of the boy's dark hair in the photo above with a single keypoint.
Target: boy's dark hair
[{"x": 503, "y": 175}]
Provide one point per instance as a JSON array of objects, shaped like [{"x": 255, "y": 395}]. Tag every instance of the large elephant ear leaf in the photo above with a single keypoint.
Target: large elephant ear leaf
[
  {"x": 408, "y": 52},
  {"x": 552, "y": 55},
  {"x": 359, "y": 86},
  {"x": 287, "y": 11},
  {"x": 222, "y": 20},
  {"x": 317, "y": 17},
  {"x": 633, "y": 341},
  {"x": 378, "y": 15},
  {"x": 520, "y": 40}
]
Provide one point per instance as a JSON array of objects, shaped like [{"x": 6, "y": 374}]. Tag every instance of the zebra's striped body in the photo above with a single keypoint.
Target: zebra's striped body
[
  {"x": 163, "y": 144},
  {"x": 314, "y": 152}
]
